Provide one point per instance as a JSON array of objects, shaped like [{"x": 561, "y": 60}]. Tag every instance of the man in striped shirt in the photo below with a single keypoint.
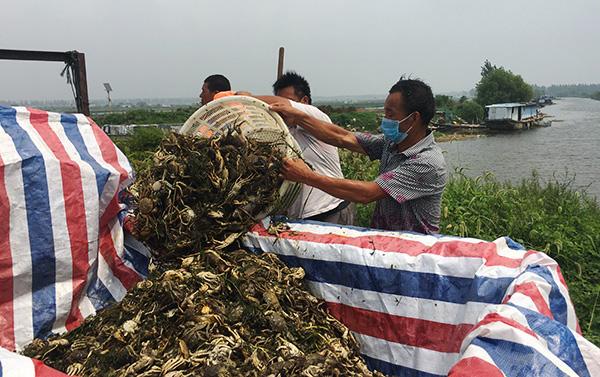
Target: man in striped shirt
[{"x": 412, "y": 173}]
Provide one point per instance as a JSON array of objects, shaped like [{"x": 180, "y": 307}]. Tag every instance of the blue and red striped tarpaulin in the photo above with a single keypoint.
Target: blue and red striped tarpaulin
[
  {"x": 62, "y": 254},
  {"x": 428, "y": 306},
  {"x": 14, "y": 365}
]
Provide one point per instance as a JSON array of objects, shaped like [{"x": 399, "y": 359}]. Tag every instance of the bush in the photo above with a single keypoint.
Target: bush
[
  {"x": 459, "y": 110},
  {"x": 359, "y": 167},
  {"x": 443, "y": 102},
  {"x": 470, "y": 111},
  {"x": 145, "y": 139},
  {"x": 357, "y": 120},
  {"x": 140, "y": 146}
]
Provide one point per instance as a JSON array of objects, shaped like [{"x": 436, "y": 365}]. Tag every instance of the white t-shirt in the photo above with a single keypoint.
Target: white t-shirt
[{"x": 323, "y": 158}]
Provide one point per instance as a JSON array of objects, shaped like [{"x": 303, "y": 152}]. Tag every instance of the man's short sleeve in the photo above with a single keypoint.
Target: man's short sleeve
[
  {"x": 412, "y": 180},
  {"x": 372, "y": 144}
]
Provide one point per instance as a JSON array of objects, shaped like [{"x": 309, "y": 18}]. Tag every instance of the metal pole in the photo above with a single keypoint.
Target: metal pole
[{"x": 280, "y": 63}]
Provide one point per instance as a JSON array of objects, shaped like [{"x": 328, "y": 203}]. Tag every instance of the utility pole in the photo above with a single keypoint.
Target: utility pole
[{"x": 280, "y": 63}]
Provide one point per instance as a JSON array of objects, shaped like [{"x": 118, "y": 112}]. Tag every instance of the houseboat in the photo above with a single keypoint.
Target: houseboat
[{"x": 513, "y": 116}]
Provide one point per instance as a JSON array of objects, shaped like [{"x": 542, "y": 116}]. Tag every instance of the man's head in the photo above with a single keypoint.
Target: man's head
[
  {"x": 411, "y": 102},
  {"x": 294, "y": 87},
  {"x": 212, "y": 85}
]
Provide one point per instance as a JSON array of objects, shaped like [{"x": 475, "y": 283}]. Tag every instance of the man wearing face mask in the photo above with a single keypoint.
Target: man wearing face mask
[{"x": 412, "y": 173}]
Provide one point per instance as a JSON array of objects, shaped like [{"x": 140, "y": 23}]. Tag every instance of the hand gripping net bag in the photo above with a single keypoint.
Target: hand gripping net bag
[{"x": 257, "y": 123}]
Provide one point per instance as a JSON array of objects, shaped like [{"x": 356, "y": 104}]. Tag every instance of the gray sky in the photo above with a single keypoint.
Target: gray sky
[{"x": 152, "y": 48}]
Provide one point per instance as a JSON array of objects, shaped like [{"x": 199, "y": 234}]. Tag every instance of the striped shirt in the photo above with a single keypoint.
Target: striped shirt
[{"x": 414, "y": 181}]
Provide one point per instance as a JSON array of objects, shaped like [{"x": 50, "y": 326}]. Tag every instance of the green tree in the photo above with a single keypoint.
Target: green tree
[
  {"x": 499, "y": 85},
  {"x": 487, "y": 68},
  {"x": 595, "y": 96},
  {"x": 444, "y": 102},
  {"x": 470, "y": 111}
]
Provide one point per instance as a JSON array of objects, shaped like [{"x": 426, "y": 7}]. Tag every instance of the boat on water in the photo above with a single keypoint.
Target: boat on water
[
  {"x": 446, "y": 121},
  {"x": 514, "y": 116},
  {"x": 544, "y": 100}
]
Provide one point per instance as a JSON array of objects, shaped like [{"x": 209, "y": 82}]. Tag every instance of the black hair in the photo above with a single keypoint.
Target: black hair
[
  {"x": 217, "y": 83},
  {"x": 417, "y": 97},
  {"x": 291, "y": 78}
]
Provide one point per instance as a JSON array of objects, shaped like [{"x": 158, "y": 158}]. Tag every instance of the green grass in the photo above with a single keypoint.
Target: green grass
[{"x": 146, "y": 116}]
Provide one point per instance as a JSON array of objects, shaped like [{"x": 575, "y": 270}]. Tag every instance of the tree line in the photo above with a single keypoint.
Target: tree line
[{"x": 571, "y": 90}]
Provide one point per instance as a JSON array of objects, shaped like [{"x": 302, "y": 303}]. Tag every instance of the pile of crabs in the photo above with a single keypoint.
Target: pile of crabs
[{"x": 208, "y": 308}]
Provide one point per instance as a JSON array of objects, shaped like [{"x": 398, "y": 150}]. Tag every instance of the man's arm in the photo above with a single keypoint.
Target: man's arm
[
  {"x": 267, "y": 99},
  {"x": 328, "y": 133},
  {"x": 347, "y": 189},
  {"x": 272, "y": 99}
]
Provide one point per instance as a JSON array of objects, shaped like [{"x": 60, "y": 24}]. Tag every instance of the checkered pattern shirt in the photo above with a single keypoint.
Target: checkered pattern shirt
[{"x": 414, "y": 181}]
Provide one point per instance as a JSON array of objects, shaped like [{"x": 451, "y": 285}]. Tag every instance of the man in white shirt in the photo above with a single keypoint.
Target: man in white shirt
[{"x": 312, "y": 203}]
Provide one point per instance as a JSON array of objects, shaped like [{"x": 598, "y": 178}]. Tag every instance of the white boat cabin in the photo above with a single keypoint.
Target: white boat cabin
[{"x": 511, "y": 111}]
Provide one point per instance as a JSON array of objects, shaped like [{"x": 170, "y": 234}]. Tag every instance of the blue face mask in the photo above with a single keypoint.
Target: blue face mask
[{"x": 391, "y": 129}]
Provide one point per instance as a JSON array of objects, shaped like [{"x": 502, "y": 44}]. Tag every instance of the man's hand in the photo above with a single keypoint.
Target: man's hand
[
  {"x": 290, "y": 115},
  {"x": 296, "y": 170}
]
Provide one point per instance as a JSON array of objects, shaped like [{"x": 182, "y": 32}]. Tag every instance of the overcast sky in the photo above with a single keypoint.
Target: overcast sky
[{"x": 152, "y": 48}]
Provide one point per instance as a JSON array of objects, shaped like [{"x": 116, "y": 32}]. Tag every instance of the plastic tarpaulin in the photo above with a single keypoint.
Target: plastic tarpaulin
[
  {"x": 432, "y": 305},
  {"x": 62, "y": 244},
  {"x": 14, "y": 365}
]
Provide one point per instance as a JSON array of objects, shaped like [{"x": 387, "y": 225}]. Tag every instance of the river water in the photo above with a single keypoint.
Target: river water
[{"x": 570, "y": 147}]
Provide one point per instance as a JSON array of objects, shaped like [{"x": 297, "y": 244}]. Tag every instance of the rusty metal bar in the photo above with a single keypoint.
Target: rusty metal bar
[
  {"x": 76, "y": 60},
  {"x": 280, "y": 63}
]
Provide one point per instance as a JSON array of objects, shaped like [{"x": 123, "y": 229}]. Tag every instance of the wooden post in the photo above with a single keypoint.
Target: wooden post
[
  {"x": 280, "y": 63},
  {"x": 83, "y": 102}
]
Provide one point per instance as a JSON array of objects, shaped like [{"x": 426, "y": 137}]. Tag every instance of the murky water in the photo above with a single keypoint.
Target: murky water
[{"x": 571, "y": 146}]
